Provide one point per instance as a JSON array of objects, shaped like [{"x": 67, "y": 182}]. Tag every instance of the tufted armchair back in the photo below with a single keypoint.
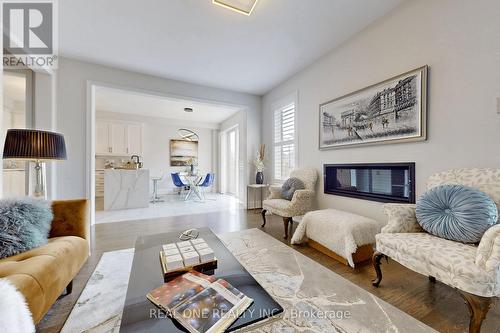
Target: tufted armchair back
[
  {"x": 484, "y": 180},
  {"x": 308, "y": 175}
]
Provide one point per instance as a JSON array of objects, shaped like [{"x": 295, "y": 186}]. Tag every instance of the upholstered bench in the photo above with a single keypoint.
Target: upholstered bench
[{"x": 344, "y": 236}]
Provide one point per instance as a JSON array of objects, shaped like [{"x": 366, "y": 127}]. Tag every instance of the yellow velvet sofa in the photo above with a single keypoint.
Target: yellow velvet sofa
[{"x": 44, "y": 273}]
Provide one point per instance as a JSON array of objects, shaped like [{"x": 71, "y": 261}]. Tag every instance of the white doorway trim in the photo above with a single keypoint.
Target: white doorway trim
[
  {"x": 90, "y": 128},
  {"x": 224, "y": 161}
]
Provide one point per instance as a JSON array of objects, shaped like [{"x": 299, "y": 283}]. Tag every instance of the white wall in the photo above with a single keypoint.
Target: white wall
[
  {"x": 157, "y": 133},
  {"x": 458, "y": 39},
  {"x": 72, "y": 79}
]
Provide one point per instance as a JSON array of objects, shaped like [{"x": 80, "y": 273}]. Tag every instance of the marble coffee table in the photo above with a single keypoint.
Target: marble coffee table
[
  {"x": 146, "y": 274},
  {"x": 315, "y": 299}
]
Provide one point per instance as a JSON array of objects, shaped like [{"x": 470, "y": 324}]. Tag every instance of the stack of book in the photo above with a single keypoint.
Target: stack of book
[
  {"x": 200, "y": 303},
  {"x": 177, "y": 258}
]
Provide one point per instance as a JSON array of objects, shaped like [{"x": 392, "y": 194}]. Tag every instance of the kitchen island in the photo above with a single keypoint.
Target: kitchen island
[{"x": 126, "y": 189}]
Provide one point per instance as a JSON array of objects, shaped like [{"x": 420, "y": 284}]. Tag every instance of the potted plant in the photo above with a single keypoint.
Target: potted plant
[
  {"x": 191, "y": 162},
  {"x": 259, "y": 165}
]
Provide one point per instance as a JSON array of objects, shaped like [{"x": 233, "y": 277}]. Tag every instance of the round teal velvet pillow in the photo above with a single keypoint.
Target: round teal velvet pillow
[{"x": 456, "y": 212}]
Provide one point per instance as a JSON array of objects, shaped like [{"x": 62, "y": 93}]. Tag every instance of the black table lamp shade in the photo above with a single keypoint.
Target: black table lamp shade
[{"x": 35, "y": 145}]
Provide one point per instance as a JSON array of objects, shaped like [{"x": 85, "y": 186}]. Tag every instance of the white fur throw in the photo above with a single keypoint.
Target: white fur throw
[
  {"x": 339, "y": 231},
  {"x": 15, "y": 316}
]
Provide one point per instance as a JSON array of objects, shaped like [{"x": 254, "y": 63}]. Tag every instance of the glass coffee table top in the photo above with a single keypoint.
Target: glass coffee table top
[{"x": 140, "y": 315}]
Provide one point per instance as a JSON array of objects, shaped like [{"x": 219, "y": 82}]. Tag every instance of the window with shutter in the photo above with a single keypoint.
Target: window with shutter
[{"x": 284, "y": 142}]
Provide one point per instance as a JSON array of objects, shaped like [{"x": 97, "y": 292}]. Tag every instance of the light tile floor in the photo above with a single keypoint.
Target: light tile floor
[{"x": 174, "y": 205}]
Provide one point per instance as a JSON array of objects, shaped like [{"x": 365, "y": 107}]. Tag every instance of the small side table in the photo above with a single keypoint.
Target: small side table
[{"x": 255, "y": 188}]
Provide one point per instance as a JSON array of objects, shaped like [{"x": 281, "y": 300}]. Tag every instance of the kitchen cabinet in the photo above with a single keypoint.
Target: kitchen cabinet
[
  {"x": 14, "y": 181},
  {"x": 134, "y": 139},
  {"x": 18, "y": 120},
  {"x": 119, "y": 139},
  {"x": 99, "y": 183},
  {"x": 7, "y": 122},
  {"x": 12, "y": 119},
  {"x": 102, "y": 138},
  {"x": 116, "y": 138}
]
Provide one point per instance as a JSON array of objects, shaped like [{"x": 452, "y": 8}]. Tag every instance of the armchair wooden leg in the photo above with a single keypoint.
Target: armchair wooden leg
[
  {"x": 263, "y": 213},
  {"x": 376, "y": 260},
  {"x": 478, "y": 308},
  {"x": 286, "y": 222},
  {"x": 69, "y": 288}
]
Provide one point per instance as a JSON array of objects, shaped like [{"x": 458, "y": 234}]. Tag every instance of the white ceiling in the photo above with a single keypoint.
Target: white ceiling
[
  {"x": 198, "y": 42},
  {"x": 135, "y": 103}
]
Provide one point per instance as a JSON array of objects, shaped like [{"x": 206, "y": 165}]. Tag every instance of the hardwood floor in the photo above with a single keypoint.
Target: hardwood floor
[{"x": 435, "y": 304}]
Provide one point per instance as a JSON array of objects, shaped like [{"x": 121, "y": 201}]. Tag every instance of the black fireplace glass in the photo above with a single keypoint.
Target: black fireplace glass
[{"x": 386, "y": 182}]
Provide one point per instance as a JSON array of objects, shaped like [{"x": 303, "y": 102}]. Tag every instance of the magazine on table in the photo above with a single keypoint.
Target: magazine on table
[{"x": 201, "y": 303}]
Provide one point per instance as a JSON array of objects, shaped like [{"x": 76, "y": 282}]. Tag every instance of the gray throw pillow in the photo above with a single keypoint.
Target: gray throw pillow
[
  {"x": 290, "y": 186},
  {"x": 24, "y": 225}
]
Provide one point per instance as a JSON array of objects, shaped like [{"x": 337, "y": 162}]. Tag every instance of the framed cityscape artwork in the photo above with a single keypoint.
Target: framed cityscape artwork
[{"x": 390, "y": 111}]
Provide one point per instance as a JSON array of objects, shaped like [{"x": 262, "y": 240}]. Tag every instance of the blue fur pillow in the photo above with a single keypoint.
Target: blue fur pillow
[
  {"x": 24, "y": 225},
  {"x": 290, "y": 186},
  {"x": 456, "y": 212}
]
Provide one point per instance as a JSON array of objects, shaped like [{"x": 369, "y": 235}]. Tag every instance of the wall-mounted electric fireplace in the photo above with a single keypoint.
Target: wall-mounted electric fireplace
[{"x": 384, "y": 182}]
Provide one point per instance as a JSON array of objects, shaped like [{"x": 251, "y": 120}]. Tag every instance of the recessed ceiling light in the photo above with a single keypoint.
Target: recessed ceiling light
[
  {"x": 241, "y": 6},
  {"x": 188, "y": 110}
]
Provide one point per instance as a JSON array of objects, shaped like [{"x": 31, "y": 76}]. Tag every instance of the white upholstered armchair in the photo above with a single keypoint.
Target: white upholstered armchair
[
  {"x": 301, "y": 203},
  {"x": 474, "y": 271}
]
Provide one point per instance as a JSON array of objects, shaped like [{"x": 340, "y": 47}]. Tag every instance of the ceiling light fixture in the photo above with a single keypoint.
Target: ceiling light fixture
[
  {"x": 240, "y": 6},
  {"x": 187, "y": 134},
  {"x": 188, "y": 110}
]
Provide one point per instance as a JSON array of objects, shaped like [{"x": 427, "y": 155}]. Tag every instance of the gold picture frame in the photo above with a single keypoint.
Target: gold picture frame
[{"x": 182, "y": 151}]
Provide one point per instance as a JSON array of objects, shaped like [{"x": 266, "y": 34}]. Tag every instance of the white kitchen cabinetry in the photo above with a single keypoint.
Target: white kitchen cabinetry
[
  {"x": 7, "y": 123},
  {"x": 102, "y": 138},
  {"x": 99, "y": 183},
  {"x": 14, "y": 183},
  {"x": 134, "y": 139},
  {"x": 115, "y": 138},
  {"x": 119, "y": 139}
]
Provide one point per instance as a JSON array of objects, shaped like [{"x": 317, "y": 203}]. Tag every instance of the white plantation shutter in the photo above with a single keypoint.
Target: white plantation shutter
[{"x": 284, "y": 142}]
